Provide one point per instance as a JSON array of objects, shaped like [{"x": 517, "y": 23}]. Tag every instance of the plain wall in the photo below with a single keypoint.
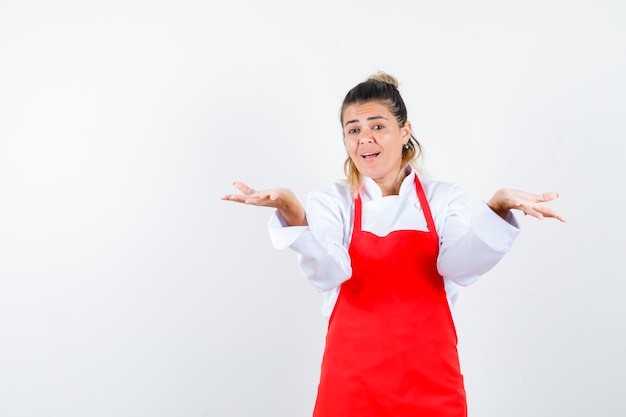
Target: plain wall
[{"x": 128, "y": 288}]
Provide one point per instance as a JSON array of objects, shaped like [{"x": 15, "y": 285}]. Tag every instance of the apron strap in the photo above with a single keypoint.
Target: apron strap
[{"x": 425, "y": 207}]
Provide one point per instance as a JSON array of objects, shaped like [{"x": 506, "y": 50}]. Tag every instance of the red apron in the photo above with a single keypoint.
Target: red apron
[{"x": 391, "y": 342}]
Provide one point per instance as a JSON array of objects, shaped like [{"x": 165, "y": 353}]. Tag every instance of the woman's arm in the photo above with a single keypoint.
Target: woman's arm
[
  {"x": 318, "y": 235},
  {"x": 475, "y": 238},
  {"x": 323, "y": 246}
]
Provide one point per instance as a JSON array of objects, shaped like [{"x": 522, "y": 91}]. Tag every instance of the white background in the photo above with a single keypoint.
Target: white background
[{"x": 128, "y": 288}]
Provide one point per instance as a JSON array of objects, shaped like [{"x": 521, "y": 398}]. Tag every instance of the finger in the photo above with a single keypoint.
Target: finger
[
  {"x": 256, "y": 198},
  {"x": 546, "y": 212},
  {"x": 542, "y": 198},
  {"x": 532, "y": 211},
  {"x": 262, "y": 194},
  {"x": 244, "y": 188},
  {"x": 541, "y": 212},
  {"x": 260, "y": 200},
  {"x": 529, "y": 210},
  {"x": 234, "y": 197}
]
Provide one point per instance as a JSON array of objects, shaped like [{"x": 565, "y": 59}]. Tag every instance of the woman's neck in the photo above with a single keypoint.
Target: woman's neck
[{"x": 392, "y": 185}]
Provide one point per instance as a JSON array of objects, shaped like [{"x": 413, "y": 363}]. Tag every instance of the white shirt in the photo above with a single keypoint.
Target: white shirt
[{"x": 473, "y": 238}]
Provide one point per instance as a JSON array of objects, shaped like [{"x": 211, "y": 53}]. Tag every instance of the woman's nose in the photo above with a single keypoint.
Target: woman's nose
[{"x": 366, "y": 137}]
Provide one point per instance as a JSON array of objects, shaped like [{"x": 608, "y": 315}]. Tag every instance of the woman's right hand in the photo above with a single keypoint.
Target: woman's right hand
[
  {"x": 506, "y": 199},
  {"x": 282, "y": 199}
]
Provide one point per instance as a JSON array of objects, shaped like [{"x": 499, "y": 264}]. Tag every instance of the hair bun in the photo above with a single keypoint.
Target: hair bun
[{"x": 383, "y": 77}]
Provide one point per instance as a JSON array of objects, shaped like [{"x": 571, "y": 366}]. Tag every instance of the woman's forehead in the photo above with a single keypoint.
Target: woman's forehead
[{"x": 365, "y": 110}]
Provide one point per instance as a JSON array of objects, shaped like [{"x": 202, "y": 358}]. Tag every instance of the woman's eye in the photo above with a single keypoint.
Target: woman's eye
[
  {"x": 378, "y": 127},
  {"x": 352, "y": 131}
]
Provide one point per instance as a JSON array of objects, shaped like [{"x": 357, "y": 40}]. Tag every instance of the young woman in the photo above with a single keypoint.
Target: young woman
[{"x": 389, "y": 250}]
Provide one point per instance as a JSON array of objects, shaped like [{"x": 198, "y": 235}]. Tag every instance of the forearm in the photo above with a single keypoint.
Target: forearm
[
  {"x": 324, "y": 267},
  {"x": 324, "y": 262},
  {"x": 293, "y": 213},
  {"x": 485, "y": 241}
]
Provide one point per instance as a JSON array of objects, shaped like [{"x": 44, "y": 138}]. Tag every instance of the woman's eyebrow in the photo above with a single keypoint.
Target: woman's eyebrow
[{"x": 369, "y": 118}]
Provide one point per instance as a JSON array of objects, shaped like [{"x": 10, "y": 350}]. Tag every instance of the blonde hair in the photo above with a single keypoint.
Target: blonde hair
[{"x": 382, "y": 88}]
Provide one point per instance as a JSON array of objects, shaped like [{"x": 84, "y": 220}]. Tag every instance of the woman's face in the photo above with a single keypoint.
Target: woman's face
[{"x": 374, "y": 141}]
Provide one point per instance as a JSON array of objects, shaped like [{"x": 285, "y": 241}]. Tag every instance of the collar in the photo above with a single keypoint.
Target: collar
[{"x": 371, "y": 191}]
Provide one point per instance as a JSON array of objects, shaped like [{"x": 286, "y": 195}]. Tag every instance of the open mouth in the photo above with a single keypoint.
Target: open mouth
[{"x": 370, "y": 155}]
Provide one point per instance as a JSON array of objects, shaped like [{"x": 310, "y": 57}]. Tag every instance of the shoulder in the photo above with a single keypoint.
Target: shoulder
[
  {"x": 335, "y": 201},
  {"x": 440, "y": 189},
  {"x": 338, "y": 193},
  {"x": 446, "y": 198}
]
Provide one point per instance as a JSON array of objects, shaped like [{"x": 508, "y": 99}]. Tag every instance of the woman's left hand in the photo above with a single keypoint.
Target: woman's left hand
[
  {"x": 506, "y": 199},
  {"x": 282, "y": 199}
]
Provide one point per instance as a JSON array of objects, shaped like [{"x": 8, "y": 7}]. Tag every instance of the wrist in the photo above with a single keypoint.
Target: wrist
[
  {"x": 294, "y": 218},
  {"x": 498, "y": 209}
]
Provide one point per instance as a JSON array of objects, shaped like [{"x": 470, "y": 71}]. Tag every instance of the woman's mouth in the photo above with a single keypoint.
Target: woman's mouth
[{"x": 369, "y": 155}]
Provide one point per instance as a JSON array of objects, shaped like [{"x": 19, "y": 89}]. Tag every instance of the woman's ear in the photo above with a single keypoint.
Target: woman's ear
[{"x": 406, "y": 131}]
